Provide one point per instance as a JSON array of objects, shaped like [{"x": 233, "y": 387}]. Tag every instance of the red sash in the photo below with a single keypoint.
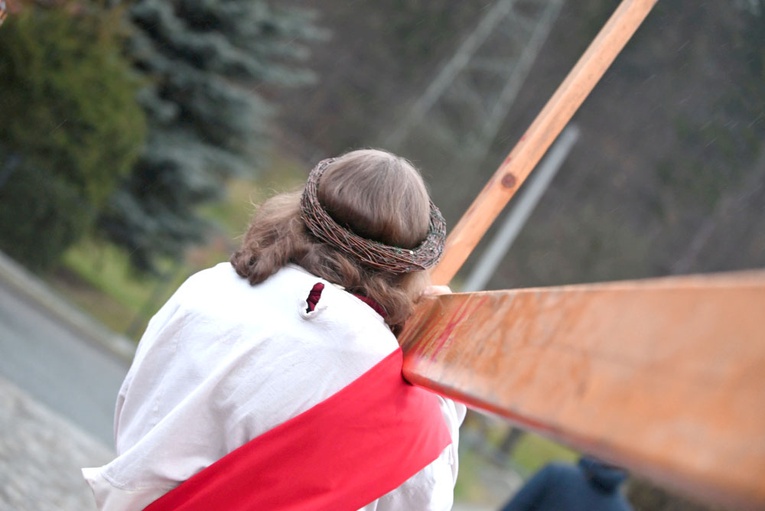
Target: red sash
[{"x": 342, "y": 454}]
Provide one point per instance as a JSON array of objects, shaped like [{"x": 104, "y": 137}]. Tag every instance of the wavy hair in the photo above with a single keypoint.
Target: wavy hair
[{"x": 375, "y": 194}]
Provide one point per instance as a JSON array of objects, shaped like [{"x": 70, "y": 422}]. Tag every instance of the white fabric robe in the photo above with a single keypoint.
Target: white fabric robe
[{"x": 223, "y": 362}]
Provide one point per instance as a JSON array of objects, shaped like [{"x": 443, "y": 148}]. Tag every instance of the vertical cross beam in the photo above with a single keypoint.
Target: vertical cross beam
[{"x": 540, "y": 135}]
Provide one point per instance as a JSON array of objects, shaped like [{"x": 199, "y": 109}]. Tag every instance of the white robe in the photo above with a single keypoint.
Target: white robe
[{"x": 223, "y": 362}]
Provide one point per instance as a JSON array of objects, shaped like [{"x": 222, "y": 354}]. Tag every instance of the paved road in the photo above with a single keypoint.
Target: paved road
[
  {"x": 41, "y": 454},
  {"x": 57, "y": 394},
  {"x": 75, "y": 378}
]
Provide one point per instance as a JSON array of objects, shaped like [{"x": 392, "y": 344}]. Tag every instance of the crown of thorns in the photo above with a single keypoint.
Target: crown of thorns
[{"x": 369, "y": 252}]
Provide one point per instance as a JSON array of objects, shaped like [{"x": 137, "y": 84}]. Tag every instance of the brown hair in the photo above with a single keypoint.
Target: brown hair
[{"x": 375, "y": 194}]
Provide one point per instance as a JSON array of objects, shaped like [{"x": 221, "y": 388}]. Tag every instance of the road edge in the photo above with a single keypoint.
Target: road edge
[{"x": 32, "y": 288}]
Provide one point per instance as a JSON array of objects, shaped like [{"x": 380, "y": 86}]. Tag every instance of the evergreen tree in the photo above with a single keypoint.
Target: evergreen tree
[
  {"x": 206, "y": 62},
  {"x": 69, "y": 128}
]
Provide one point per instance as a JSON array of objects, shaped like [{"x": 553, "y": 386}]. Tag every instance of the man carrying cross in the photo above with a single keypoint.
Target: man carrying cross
[
  {"x": 274, "y": 382},
  {"x": 340, "y": 429}
]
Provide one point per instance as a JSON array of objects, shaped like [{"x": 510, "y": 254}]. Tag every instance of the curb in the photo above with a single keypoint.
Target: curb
[{"x": 23, "y": 282}]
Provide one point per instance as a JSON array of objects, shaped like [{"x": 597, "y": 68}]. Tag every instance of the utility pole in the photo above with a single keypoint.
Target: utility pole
[{"x": 465, "y": 104}]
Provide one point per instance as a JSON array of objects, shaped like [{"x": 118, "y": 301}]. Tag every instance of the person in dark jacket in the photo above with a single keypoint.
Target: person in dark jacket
[{"x": 590, "y": 485}]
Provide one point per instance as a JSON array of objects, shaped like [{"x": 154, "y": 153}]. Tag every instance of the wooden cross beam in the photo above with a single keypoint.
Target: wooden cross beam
[{"x": 665, "y": 377}]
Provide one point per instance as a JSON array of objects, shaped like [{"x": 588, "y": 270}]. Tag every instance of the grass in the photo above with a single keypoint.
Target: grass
[
  {"x": 533, "y": 452},
  {"x": 469, "y": 487},
  {"x": 97, "y": 278}
]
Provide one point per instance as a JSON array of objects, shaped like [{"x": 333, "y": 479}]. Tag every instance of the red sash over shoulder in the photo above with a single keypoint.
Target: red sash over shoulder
[{"x": 342, "y": 454}]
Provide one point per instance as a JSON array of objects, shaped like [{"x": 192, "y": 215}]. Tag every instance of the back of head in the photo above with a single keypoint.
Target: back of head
[
  {"x": 364, "y": 221},
  {"x": 377, "y": 195}
]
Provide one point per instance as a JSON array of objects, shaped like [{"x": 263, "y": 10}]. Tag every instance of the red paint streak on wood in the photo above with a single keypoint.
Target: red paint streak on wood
[{"x": 457, "y": 319}]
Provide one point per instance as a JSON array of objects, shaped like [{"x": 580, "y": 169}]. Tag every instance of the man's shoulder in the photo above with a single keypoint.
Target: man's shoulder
[{"x": 560, "y": 470}]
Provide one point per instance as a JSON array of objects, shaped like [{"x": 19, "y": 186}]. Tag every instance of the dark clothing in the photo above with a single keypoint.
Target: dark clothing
[{"x": 589, "y": 486}]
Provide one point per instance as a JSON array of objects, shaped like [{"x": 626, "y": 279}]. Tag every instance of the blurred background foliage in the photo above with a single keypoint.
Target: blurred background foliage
[
  {"x": 206, "y": 66},
  {"x": 70, "y": 127},
  {"x": 135, "y": 137}
]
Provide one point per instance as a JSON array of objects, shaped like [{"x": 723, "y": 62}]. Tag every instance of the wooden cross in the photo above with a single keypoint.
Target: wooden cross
[{"x": 665, "y": 377}]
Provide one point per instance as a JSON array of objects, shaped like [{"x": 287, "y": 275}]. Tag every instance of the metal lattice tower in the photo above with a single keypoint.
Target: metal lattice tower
[{"x": 470, "y": 97}]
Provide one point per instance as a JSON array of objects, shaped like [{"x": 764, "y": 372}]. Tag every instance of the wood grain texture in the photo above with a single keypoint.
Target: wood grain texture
[
  {"x": 540, "y": 135},
  {"x": 663, "y": 376}
]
